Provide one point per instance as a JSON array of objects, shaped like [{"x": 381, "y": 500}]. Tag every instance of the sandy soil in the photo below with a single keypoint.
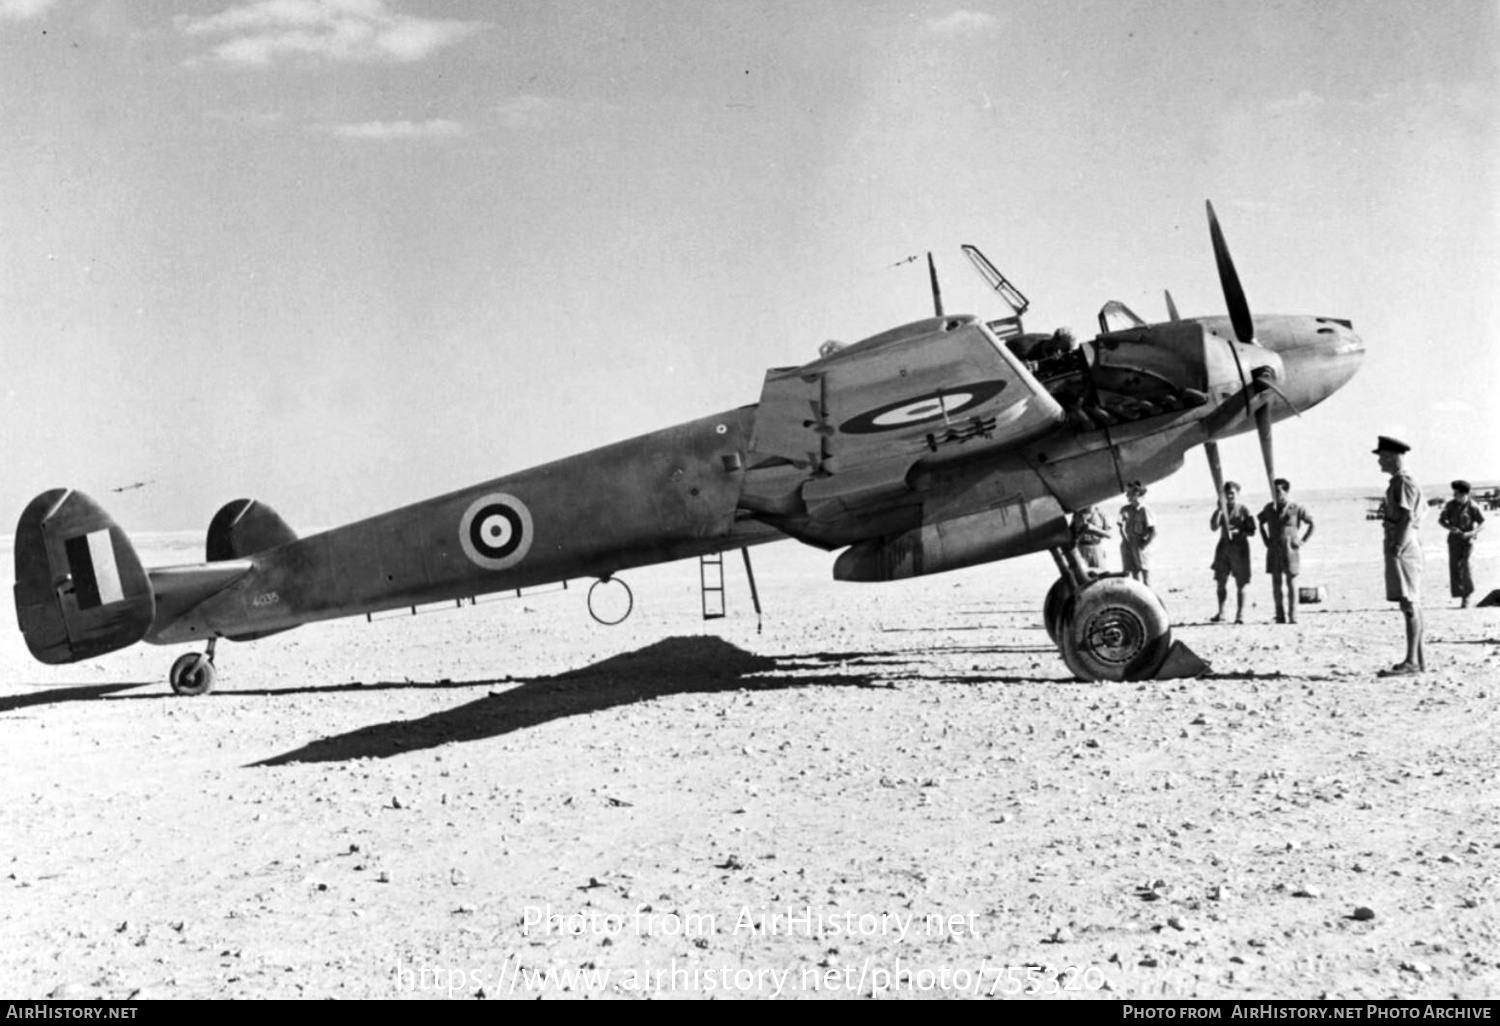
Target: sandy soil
[{"x": 891, "y": 790}]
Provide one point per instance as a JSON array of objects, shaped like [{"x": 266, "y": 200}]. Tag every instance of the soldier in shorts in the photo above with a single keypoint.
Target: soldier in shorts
[
  {"x": 1281, "y": 524},
  {"x": 1402, "y": 512},
  {"x": 1137, "y": 532},
  {"x": 1090, "y": 526},
  {"x": 1236, "y": 525}
]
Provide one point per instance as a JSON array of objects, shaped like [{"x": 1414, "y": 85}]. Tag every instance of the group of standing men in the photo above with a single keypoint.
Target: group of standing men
[
  {"x": 1091, "y": 528},
  {"x": 1284, "y": 527}
]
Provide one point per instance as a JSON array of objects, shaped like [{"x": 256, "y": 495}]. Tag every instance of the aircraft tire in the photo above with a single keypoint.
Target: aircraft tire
[
  {"x": 192, "y": 674},
  {"x": 1055, "y": 606},
  {"x": 1118, "y": 630}
]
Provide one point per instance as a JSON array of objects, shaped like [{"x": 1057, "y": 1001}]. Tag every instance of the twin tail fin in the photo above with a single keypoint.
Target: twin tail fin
[{"x": 80, "y": 588}]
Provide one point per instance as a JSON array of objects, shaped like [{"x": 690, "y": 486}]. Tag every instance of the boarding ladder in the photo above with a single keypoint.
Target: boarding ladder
[{"x": 711, "y": 583}]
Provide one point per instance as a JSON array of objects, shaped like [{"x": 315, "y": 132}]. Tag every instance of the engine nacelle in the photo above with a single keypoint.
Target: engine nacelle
[{"x": 1009, "y": 529}]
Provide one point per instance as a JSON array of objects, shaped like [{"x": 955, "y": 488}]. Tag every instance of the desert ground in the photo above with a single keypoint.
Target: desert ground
[{"x": 883, "y": 790}]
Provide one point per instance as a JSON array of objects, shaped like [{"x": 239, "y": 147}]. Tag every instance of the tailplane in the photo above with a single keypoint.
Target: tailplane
[{"x": 80, "y": 588}]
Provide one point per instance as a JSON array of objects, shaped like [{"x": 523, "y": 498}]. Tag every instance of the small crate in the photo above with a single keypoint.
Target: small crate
[{"x": 1311, "y": 595}]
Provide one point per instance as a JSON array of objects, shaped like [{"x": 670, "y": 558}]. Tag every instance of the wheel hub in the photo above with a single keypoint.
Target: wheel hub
[{"x": 1115, "y": 635}]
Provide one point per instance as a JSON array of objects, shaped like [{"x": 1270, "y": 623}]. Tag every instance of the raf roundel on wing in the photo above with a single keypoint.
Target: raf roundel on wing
[{"x": 948, "y": 402}]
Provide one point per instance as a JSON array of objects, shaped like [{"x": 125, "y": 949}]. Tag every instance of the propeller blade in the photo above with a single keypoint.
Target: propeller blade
[
  {"x": 1263, "y": 429},
  {"x": 1234, "y": 295},
  {"x": 937, "y": 293},
  {"x": 1211, "y": 448},
  {"x": 1171, "y": 306}
]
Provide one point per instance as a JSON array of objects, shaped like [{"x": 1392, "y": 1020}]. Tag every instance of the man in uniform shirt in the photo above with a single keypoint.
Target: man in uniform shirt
[
  {"x": 1463, "y": 520},
  {"x": 1235, "y": 525},
  {"x": 1090, "y": 527},
  {"x": 1402, "y": 512},
  {"x": 1137, "y": 531},
  {"x": 1281, "y": 524}
]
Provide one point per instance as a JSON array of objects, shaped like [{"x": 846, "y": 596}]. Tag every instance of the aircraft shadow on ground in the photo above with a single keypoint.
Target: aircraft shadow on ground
[
  {"x": 674, "y": 666},
  {"x": 71, "y": 693}
]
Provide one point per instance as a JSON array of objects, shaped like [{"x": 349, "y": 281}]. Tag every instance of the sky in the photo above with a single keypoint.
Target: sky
[{"x": 344, "y": 255}]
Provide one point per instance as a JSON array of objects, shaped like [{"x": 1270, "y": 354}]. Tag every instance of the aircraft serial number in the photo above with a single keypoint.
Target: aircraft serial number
[{"x": 266, "y": 598}]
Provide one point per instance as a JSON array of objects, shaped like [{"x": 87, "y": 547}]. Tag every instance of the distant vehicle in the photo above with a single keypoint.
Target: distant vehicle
[{"x": 944, "y": 443}]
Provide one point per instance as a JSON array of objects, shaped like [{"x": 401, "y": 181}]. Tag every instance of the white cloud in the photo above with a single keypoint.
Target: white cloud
[
  {"x": 381, "y": 131},
  {"x": 334, "y": 30},
  {"x": 963, "y": 23},
  {"x": 20, "y": 10}
]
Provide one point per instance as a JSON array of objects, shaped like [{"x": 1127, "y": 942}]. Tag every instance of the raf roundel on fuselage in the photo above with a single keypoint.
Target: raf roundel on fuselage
[{"x": 495, "y": 531}]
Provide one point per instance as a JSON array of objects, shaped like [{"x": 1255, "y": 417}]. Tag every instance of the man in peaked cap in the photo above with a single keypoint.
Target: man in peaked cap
[
  {"x": 1403, "y": 552},
  {"x": 1463, "y": 519}
]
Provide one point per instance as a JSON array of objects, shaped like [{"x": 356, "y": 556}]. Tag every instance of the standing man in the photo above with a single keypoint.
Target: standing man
[
  {"x": 1463, "y": 520},
  {"x": 1236, "y": 526},
  {"x": 1137, "y": 532},
  {"x": 1090, "y": 527},
  {"x": 1281, "y": 524},
  {"x": 1402, "y": 511}
]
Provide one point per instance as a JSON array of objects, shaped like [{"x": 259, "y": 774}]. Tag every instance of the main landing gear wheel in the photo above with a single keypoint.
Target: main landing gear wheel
[
  {"x": 1118, "y": 630},
  {"x": 1056, "y": 606},
  {"x": 193, "y": 674}
]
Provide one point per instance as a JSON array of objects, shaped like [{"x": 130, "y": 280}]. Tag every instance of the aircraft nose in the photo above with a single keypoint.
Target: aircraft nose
[{"x": 1321, "y": 369}]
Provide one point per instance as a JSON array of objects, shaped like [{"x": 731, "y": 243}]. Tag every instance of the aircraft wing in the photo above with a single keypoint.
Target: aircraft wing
[{"x": 858, "y": 419}]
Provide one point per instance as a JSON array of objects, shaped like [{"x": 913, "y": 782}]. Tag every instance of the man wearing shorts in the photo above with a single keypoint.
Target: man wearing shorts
[
  {"x": 1090, "y": 527},
  {"x": 1281, "y": 524},
  {"x": 1402, "y": 512},
  {"x": 1137, "y": 532},
  {"x": 1235, "y": 524}
]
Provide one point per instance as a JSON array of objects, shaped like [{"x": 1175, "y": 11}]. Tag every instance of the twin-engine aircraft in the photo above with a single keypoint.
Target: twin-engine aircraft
[{"x": 940, "y": 444}]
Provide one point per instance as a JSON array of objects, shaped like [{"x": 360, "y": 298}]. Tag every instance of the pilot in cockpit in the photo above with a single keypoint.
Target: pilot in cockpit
[{"x": 1037, "y": 348}]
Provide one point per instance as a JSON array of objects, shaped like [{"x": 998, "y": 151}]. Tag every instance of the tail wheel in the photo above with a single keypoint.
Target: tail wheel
[
  {"x": 192, "y": 674},
  {"x": 1055, "y": 606},
  {"x": 1118, "y": 630}
]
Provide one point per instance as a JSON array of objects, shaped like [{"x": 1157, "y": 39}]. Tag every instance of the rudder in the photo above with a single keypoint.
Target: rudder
[{"x": 80, "y": 588}]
